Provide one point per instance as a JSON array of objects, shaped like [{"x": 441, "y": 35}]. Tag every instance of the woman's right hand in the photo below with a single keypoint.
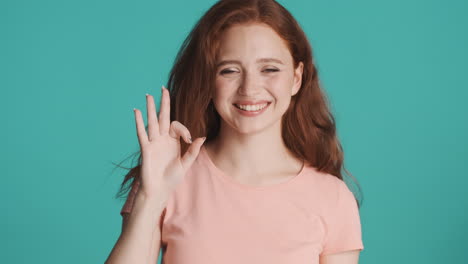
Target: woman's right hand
[{"x": 162, "y": 167}]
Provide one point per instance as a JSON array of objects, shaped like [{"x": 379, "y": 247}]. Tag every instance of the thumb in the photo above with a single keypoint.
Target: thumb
[{"x": 192, "y": 152}]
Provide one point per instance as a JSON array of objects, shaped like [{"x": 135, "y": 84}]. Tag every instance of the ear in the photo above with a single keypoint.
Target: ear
[{"x": 297, "y": 78}]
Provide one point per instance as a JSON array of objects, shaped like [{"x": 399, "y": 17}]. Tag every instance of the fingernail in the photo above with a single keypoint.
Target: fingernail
[
  {"x": 190, "y": 140},
  {"x": 204, "y": 138},
  {"x": 147, "y": 95}
]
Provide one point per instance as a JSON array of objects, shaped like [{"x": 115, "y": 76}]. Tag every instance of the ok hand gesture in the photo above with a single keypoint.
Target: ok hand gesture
[{"x": 162, "y": 166}]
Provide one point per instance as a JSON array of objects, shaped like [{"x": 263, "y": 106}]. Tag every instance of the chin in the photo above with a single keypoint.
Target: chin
[{"x": 256, "y": 127}]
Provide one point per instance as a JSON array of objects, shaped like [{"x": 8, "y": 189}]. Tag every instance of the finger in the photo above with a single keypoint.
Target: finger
[
  {"x": 192, "y": 153},
  {"x": 153, "y": 127},
  {"x": 164, "y": 112},
  {"x": 140, "y": 126},
  {"x": 178, "y": 130}
]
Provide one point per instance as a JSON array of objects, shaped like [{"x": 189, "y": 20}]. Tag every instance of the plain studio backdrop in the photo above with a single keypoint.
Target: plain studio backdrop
[{"x": 72, "y": 71}]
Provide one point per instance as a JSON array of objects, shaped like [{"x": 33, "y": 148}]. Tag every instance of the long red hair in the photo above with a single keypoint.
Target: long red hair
[{"x": 308, "y": 126}]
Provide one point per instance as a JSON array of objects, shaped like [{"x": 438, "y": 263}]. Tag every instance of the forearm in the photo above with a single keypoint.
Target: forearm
[
  {"x": 140, "y": 240},
  {"x": 156, "y": 248}
]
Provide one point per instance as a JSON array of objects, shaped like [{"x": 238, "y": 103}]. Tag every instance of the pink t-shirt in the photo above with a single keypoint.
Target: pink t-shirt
[{"x": 211, "y": 218}]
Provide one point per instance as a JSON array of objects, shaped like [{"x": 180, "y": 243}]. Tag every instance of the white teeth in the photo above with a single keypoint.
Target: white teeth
[{"x": 252, "y": 107}]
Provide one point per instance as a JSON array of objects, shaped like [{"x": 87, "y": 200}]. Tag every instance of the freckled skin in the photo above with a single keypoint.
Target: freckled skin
[
  {"x": 254, "y": 64},
  {"x": 249, "y": 79}
]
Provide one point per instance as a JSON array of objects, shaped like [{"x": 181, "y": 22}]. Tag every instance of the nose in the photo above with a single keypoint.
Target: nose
[{"x": 249, "y": 86}]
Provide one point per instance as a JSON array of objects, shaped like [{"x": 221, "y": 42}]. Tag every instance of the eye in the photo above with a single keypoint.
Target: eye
[
  {"x": 271, "y": 70},
  {"x": 226, "y": 71}
]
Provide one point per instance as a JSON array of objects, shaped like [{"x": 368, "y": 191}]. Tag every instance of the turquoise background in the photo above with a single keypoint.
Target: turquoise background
[{"x": 72, "y": 71}]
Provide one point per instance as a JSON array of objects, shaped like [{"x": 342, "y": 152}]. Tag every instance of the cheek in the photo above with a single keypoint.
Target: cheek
[
  {"x": 280, "y": 85},
  {"x": 223, "y": 90},
  {"x": 225, "y": 86}
]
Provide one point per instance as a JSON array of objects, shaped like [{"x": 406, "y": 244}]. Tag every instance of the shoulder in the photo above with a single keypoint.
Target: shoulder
[
  {"x": 324, "y": 190},
  {"x": 326, "y": 183}
]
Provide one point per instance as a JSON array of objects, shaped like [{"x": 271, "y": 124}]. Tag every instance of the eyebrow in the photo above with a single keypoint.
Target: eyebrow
[{"x": 261, "y": 60}]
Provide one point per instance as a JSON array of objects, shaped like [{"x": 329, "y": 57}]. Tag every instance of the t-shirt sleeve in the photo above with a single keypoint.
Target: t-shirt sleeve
[
  {"x": 127, "y": 207},
  {"x": 342, "y": 223}
]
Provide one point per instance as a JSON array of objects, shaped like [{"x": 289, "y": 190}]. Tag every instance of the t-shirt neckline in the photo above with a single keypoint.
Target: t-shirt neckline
[{"x": 220, "y": 174}]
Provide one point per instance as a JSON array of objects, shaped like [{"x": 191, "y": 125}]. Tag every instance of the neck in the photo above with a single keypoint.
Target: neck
[{"x": 257, "y": 155}]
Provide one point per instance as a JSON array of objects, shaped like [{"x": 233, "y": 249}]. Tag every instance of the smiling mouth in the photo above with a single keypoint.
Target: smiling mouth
[{"x": 252, "y": 108}]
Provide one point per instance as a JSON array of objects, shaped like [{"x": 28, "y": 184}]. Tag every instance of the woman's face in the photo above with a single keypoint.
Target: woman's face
[{"x": 254, "y": 69}]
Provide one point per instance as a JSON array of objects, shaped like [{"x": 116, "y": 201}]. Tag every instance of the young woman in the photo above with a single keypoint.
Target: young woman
[{"x": 266, "y": 184}]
